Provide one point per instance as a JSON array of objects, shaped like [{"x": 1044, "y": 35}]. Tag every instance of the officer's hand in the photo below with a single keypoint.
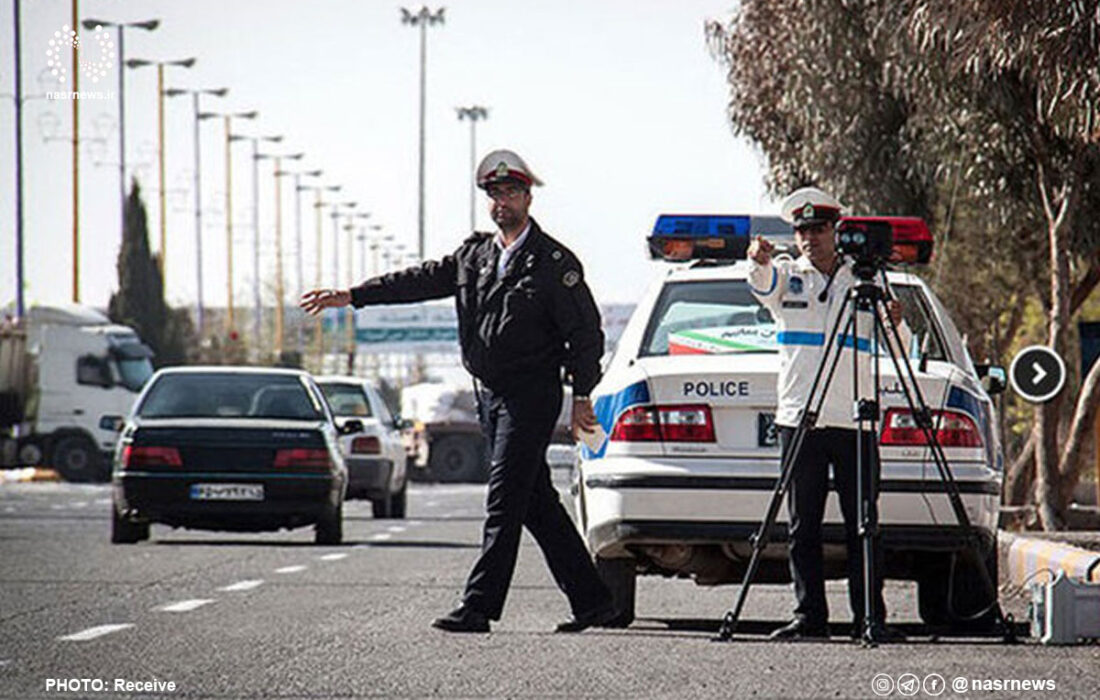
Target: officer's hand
[
  {"x": 313, "y": 301},
  {"x": 760, "y": 251},
  {"x": 893, "y": 307},
  {"x": 584, "y": 418}
]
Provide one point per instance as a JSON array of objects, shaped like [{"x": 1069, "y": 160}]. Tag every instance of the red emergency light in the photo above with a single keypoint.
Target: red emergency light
[{"x": 912, "y": 239}]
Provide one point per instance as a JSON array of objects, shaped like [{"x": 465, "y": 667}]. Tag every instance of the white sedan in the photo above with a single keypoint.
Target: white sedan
[{"x": 375, "y": 457}]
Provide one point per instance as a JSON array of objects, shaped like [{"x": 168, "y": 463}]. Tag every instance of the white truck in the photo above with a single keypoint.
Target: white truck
[{"x": 61, "y": 369}]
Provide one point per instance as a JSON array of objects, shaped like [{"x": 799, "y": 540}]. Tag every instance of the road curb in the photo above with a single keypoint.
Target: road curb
[{"x": 1027, "y": 560}]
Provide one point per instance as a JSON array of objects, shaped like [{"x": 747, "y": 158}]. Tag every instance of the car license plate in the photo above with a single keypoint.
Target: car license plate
[
  {"x": 766, "y": 433},
  {"x": 227, "y": 492}
]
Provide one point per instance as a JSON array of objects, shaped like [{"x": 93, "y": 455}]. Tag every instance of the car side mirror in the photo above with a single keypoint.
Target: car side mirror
[
  {"x": 993, "y": 377},
  {"x": 111, "y": 423},
  {"x": 350, "y": 426},
  {"x": 402, "y": 423}
]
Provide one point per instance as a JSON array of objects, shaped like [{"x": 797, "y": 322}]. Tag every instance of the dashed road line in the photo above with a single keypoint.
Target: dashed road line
[
  {"x": 291, "y": 569},
  {"x": 382, "y": 536},
  {"x": 242, "y": 586},
  {"x": 396, "y": 528},
  {"x": 93, "y": 632},
  {"x": 186, "y": 605},
  {"x": 336, "y": 556}
]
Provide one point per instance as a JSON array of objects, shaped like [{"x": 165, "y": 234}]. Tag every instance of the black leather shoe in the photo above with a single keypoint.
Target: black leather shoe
[
  {"x": 462, "y": 619},
  {"x": 603, "y": 616},
  {"x": 801, "y": 629}
]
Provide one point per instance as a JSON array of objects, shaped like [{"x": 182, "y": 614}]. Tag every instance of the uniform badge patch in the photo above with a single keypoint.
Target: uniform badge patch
[
  {"x": 502, "y": 169},
  {"x": 571, "y": 278},
  {"x": 808, "y": 211},
  {"x": 795, "y": 285}
]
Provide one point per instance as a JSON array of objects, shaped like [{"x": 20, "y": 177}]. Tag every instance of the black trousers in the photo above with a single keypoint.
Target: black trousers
[
  {"x": 806, "y": 507},
  {"x": 518, "y": 426}
]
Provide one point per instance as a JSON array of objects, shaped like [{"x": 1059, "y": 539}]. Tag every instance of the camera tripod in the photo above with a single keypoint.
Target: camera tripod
[{"x": 865, "y": 296}]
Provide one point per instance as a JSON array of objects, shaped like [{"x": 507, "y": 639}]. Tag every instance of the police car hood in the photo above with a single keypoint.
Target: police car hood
[{"x": 740, "y": 379}]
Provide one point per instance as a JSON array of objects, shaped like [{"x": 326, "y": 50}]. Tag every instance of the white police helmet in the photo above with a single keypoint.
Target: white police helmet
[
  {"x": 809, "y": 206},
  {"x": 501, "y": 165}
]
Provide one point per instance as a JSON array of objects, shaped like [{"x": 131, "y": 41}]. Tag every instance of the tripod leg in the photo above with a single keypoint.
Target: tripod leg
[
  {"x": 919, "y": 407},
  {"x": 809, "y": 417}
]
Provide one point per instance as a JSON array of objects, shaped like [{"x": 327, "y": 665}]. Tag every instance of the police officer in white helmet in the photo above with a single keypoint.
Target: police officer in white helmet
[
  {"x": 525, "y": 313},
  {"x": 791, "y": 290}
]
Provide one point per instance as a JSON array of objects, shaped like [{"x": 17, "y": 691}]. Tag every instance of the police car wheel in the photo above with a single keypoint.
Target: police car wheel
[
  {"x": 620, "y": 576},
  {"x": 952, "y": 599}
]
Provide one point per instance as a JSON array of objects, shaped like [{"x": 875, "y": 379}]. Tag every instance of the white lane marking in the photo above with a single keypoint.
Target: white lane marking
[
  {"x": 78, "y": 504},
  {"x": 5, "y": 662},
  {"x": 432, "y": 503},
  {"x": 414, "y": 522},
  {"x": 9, "y": 509},
  {"x": 102, "y": 501},
  {"x": 382, "y": 536},
  {"x": 396, "y": 528},
  {"x": 334, "y": 557},
  {"x": 57, "y": 506},
  {"x": 186, "y": 605},
  {"x": 93, "y": 632},
  {"x": 290, "y": 569},
  {"x": 242, "y": 586}
]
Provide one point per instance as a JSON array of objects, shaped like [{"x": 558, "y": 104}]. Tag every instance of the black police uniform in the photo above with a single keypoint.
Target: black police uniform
[{"x": 516, "y": 332}]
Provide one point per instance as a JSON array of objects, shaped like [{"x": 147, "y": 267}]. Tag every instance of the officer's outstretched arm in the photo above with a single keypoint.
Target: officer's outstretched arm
[
  {"x": 434, "y": 279},
  {"x": 578, "y": 318}
]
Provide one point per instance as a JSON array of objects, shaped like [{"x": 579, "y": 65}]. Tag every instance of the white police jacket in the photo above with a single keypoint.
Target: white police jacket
[{"x": 790, "y": 290}]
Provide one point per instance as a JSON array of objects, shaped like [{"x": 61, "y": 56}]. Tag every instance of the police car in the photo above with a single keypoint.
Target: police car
[{"x": 681, "y": 475}]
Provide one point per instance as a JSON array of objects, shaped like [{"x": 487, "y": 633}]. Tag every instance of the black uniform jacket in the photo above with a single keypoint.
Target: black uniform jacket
[{"x": 538, "y": 317}]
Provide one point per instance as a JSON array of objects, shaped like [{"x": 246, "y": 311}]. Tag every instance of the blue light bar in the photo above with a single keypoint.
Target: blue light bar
[{"x": 711, "y": 236}]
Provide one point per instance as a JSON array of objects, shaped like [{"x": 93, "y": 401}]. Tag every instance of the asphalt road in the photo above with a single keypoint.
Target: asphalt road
[{"x": 273, "y": 616}]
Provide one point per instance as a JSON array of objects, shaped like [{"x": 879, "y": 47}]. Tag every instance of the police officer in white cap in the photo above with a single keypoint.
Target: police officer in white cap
[
  {"x": 791, "y": 290},
  {"x": 525, "y": 313}
]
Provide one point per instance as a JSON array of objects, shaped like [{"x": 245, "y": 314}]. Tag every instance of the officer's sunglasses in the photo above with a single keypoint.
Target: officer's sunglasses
[{"x": 506, "y": 192}]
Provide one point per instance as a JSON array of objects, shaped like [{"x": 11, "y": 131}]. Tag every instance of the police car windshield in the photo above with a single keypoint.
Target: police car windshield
[{"x": 708, "y": 318}]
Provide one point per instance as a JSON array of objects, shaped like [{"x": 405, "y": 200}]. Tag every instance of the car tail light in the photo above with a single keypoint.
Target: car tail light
[
  {"x": 366, "y": 445},
  {"x": 145, "y": 456},
  {"x": 953, "y": 429},
  {"x": 302, "y": 457},
  {"x": 638, "y": 424},
  {"x": 687, "y": 423}
]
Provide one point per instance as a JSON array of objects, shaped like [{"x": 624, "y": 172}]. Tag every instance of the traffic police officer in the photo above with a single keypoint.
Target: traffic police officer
[
  {"x": 791, "y": 290},
  {"x": 524, "y": 313}
]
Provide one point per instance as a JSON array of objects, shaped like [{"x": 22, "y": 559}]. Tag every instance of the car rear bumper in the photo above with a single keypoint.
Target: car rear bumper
[
  {"x": 289, "y": 500},
  {"x": 628, "y": 501},
  {"x": 369, "y": 477}
]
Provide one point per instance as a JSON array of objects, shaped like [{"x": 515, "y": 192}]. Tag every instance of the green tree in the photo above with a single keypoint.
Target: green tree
[{"x": 139, "y": 301}]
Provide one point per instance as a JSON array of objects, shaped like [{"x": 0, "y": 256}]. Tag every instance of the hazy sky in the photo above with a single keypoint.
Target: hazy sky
[{"x": 616, "y": 105}]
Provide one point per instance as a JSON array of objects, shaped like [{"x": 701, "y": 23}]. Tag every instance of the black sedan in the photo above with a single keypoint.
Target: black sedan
[{"x": 228, "y": 448}]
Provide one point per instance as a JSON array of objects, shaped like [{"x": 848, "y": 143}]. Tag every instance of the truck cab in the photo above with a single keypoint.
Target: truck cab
[{"x": 81, "y": 367}]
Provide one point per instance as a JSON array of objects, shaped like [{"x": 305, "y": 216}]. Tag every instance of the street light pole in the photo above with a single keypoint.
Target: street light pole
[
  {"x": 280, "y": 292},
  {"x": 138, "y": 63},
  {"x": 19, "y": 310},
  {"x": 299, "y": 283},
  {"x": 219, "y": 92},
  {"x": 257, "y": 306},
  {"x": 228, "y": 119},
  {"x": 148, "y": 26},
  {"x": 422, "y": 19},
  {"x": 319, "y": 342},
  {"x": 474, "y": 113}
]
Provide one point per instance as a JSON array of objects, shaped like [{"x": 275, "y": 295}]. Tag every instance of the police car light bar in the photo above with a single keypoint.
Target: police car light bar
[
  {"x": 912, "y": 239},
  {"x": 681, "y": 237}
]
